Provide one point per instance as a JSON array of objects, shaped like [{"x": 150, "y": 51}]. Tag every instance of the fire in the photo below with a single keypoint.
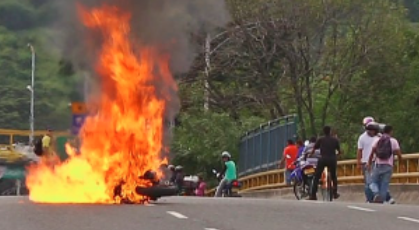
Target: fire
[{"x": 123, "y": 137}]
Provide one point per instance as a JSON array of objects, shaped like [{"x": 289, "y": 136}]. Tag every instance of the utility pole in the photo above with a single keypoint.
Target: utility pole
[
  {"x": 207, "y": 71},
  {"x": 86, "y": 87},
  {"x": 31, "y": 88}
]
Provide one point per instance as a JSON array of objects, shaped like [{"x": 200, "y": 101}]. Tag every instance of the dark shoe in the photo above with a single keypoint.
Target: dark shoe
[
  {"x": 377, "y": 199},
  {"x": 312, "y": 198},
  {"x": 336, "y": 195}
]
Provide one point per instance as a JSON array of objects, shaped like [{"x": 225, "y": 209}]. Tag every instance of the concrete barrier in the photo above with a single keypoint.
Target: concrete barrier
[{"x": 402, "y": 193}]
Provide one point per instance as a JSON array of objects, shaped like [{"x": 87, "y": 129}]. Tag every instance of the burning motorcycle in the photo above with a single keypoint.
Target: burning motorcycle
[
  {"x": 230, "y": 189},
  {"x": 158, "y": 188}
]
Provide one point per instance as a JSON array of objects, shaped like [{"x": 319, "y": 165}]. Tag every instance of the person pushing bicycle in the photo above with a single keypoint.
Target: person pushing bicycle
[{"x": 328, "y": 146}]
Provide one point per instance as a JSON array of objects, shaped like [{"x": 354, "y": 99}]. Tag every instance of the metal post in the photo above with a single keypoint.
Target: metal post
[
  {"x": 268, "y": 156},
  {"x": 18, "y": 187},
  {"x": 207, "y": 71},
  {"x": 32, "y": 90}
]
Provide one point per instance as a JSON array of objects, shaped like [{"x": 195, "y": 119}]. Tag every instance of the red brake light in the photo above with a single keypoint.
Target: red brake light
[{"x": 235, "y": 183}]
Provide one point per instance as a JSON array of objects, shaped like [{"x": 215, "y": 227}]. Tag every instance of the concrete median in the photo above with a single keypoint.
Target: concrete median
[{"x": 402, "y": 193}]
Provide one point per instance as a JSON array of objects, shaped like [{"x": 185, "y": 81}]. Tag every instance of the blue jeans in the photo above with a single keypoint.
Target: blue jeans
[
  {"x": 369, "y": 195},
  {"x": 380, "y": 180},
  {"x": 288, "y": 176}
]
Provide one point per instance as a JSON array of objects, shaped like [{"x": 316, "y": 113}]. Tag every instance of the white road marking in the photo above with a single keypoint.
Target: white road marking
[
  {"x": 211, "y": 229},
  {"x": 408, "y": 219},
  {"x": 177, "y": 215},
  {"x": 150, "y": 205},
  {"x": 361, "y": 209}
]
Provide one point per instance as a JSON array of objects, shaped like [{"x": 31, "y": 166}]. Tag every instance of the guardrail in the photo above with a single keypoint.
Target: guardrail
[
  {"x": 260, "y": 148},
  {"x": 25, "y": 133},
  {"x": 405, "y": 172},
  {"x": 9, "y": 153}
]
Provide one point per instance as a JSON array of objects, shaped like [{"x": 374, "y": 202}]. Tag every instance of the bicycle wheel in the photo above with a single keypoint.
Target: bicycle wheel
[{"x": 329, "y": 187}]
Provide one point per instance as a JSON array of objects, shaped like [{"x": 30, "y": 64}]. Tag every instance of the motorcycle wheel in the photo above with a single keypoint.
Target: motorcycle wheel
[
  {"x": 309, "y": 184},
  {"x": 157, "y": 191},
  {"x": 235, "y": 195},
  {"x": 297, "y": 187}
]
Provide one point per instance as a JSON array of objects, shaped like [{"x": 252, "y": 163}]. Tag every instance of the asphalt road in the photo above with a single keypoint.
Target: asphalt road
[{"x": 179, "y": 213}]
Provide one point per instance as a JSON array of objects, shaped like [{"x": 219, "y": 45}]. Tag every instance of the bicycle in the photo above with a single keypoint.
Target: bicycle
[{"x": 327, "y": 186}]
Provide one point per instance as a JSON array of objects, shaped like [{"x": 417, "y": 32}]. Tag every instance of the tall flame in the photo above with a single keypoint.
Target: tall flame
[{"x": 123, "y": 138}]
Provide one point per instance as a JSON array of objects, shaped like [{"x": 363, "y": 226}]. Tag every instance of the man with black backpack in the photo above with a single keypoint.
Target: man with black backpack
[{"x": 384, "y": 150}]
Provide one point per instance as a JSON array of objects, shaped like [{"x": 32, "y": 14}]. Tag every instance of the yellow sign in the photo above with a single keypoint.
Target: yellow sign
[{"x": 78, "y": 108}]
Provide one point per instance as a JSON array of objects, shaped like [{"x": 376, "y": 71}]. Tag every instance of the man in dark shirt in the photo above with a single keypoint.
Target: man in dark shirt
[{"x": 328, "y": 146}]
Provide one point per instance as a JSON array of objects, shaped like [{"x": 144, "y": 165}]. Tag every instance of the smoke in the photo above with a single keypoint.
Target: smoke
[
  {"x": 154, "y": 22},
  {"x": 167, "y": 24}
]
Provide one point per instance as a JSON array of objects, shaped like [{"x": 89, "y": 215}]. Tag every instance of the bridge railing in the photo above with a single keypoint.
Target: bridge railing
[
  {"x": 405, "y": 172},
  {"x": 261, "y": 148},
  {"x": 9, "y": 137}
]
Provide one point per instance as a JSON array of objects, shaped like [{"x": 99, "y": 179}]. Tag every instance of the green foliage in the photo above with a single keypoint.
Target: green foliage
[
  {"x": 413, "y": 9},
  {"x": 16, "y": 15},
  {"x": 331, "y": 62},
  {"x": 202, "y": 137},
  {"x": 55, "y": 82}
]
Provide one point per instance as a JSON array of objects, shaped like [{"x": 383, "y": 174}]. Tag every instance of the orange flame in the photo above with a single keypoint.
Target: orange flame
[{"x": 123, "y": 139}]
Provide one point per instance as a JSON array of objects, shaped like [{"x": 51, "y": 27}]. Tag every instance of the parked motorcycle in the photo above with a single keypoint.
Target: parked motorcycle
[
  {"x": 231, "y": 189},
  {"x": 190, "y": 183}
]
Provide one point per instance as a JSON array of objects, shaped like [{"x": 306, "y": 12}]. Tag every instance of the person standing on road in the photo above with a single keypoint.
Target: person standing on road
[
  {"x": 365, "y": 144},
  {"x": 289, "y": 157},
  {"x": 47, "y": 143},
  {"x": 48, "y": 154},
  {"x": 383, "y": 150},
  {"x": 328, "y": 146}
]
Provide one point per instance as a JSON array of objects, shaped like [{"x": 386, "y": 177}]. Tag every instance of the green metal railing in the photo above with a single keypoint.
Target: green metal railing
[{"x": 261, "y": 148}]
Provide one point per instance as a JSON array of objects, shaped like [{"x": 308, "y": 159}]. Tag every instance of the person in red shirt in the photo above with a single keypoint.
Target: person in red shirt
[{"x": 289, "y": 157}]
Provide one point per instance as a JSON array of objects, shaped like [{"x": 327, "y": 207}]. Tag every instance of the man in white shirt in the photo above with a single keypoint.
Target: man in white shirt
[{"x": 365, "y": 144}]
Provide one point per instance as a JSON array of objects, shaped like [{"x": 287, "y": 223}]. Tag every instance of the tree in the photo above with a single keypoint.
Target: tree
[
  {"x": 328, "y": 61},
  {"x": 201, "y": 137},
  {"x": 55, "y": 82}
]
